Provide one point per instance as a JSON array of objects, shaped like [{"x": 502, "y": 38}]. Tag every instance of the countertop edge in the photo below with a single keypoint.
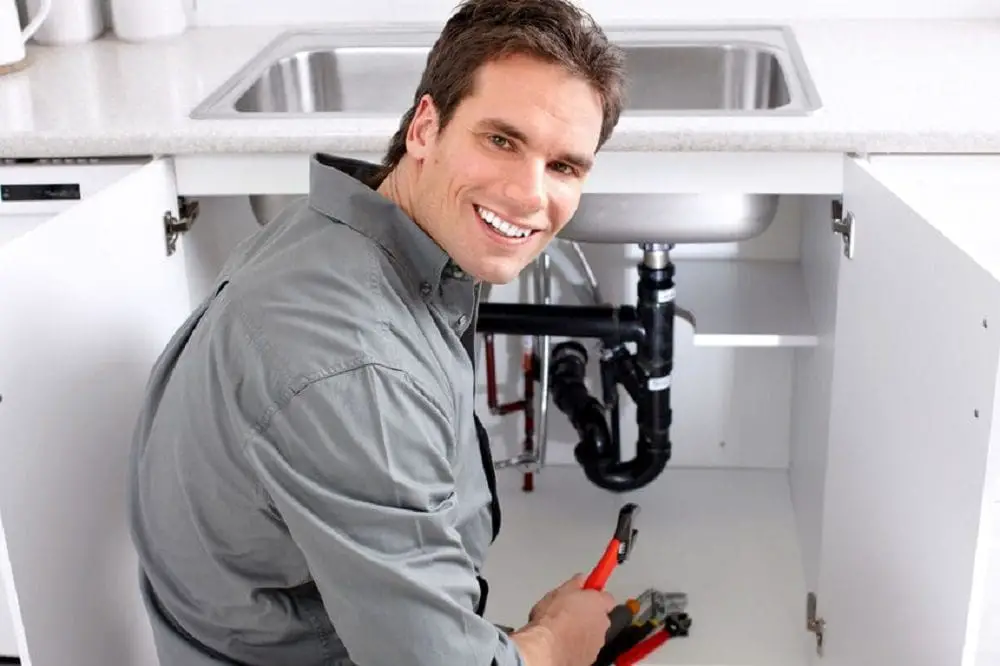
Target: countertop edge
[{"x": 41, "y": 145}]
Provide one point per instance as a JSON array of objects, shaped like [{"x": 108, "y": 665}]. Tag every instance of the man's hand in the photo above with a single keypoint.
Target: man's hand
[
  {"x": 538, "y": 610},
  {"x": 567, "y": 626}
]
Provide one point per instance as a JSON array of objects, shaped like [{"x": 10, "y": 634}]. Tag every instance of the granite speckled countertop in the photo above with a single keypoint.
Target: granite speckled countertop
[{"x": 904, "y": 86}]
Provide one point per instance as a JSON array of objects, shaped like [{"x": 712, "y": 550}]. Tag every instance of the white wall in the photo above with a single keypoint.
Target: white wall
[{"x": 249, "y": 12}]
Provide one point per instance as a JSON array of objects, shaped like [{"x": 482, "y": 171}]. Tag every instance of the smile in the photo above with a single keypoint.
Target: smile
[{"x": 502, "y": 226}]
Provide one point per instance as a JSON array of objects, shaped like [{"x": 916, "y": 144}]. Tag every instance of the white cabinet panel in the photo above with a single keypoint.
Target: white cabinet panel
[
  {"x": 88, "y": 300},
  {"x": 915, "y": 363}
]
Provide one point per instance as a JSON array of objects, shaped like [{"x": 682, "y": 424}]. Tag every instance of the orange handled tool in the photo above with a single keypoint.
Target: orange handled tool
[
  {"x": 675, "y": 624},
  {"x": 643, "y": 649},
  {"x": 618, "y": 548}
]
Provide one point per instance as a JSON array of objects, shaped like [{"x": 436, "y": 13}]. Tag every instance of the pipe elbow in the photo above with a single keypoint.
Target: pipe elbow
[
  {"x": 608, "y": 472},
  {"x": 633, "y": 474},
  {"x": 596, "y": 443},
  {"x": 598, "y": 450}
]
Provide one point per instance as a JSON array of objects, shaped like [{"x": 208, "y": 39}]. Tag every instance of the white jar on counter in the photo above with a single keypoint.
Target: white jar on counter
[
  {"x": 145, "y": 20},
  {"x": 69, "y": 21}
]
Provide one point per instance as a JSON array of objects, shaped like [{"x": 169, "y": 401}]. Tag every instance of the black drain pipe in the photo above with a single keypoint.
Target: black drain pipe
[
  {"x": 645, "y": 374},
  {"x": 611, "y": 324}
]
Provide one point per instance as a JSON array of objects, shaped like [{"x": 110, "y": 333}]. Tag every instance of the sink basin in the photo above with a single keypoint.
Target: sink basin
[
  {"x": 744, "y": 71},
  {"x": 338, "y": 79},
  {"x": 633, "y": 218},
  {"x": 671, "y": 218},
  {"x": 382, "y": 80},
  {"x": 687, "y": 71}
]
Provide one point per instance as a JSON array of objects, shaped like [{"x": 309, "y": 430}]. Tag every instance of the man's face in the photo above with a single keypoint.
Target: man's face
[{"x": 506, "y": 174}]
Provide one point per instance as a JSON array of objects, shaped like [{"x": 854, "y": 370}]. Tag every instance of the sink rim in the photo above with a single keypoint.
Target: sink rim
[{"x": 776, "y": 39}]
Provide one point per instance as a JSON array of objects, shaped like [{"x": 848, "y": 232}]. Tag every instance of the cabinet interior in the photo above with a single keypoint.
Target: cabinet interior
[{"x": 735, "y": 519}]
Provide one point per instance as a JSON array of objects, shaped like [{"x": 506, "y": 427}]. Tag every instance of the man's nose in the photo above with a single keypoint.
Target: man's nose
[{"x": 526, "y": 185}]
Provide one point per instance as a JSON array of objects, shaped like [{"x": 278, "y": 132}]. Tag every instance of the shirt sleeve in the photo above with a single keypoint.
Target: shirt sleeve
[{"x": 359, "y": 467}]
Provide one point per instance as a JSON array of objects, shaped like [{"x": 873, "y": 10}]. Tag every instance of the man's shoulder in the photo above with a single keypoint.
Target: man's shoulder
[{"x": 318, "y": 297}]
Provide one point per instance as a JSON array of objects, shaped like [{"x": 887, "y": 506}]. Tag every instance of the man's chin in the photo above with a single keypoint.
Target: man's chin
[{"x": 499, "y": 275}]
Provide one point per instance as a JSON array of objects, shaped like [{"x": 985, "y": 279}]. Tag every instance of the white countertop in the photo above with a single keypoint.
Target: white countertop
[{"x": 885, "y": 86}]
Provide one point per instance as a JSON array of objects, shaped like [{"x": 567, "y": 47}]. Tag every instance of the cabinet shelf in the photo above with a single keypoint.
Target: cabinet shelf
[
  {"x": 727, "y": 538},
  {"x": 745, "y": 303},
  {"x": 734, "y": 303}
]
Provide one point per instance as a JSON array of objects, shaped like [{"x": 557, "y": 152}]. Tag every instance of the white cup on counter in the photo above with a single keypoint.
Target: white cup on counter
[
  {"x": 13, "y": 38},
  {"x": 146, "y": 20},
  {"x": 69, "y": 22}
]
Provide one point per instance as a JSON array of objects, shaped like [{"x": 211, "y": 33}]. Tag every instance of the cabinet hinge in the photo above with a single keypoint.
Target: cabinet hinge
[
  {"x": 173, "y": 227},
  {"x": 814, "y": 623},
  {"x": 843, "y": 224}
]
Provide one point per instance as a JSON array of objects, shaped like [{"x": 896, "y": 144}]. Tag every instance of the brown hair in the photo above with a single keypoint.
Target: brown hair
[{"x": 481, "y": 31}]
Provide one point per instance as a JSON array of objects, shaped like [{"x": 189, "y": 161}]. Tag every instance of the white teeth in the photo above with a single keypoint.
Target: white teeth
[{"x": 501, "y": 225}]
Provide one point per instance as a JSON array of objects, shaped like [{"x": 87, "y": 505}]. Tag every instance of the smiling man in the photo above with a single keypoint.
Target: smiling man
[
  {"x": 309, "y": 483},
  {"x": 495, "y": 178}
]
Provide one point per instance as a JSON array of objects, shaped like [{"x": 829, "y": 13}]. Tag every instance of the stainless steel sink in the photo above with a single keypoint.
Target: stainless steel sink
[
  {"x": 743, "y": 71},
  {"x": 382, "y": 79},
  {"x": 672, "y": 71},
  {"x": 671, "y": 218}
]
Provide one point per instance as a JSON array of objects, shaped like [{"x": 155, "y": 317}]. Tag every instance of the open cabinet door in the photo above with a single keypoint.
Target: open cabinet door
[
  {"x": 915, "y": 368},
  {"x": 87, "y": 302}
]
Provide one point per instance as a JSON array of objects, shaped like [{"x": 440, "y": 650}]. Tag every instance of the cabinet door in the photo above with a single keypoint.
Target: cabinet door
[
  {"x": 87, "y": 301},
  {"x": 915, "y": 367}
]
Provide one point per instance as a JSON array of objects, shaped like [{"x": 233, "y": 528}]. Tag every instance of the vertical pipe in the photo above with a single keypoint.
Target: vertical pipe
[
  {"x": 595, "y": 288},
  {"x": 528, "y": 368},
  {"x": 492, "y": 398},
  {"x": 656, "y": 310},
  {"x": 491, "y": 378},
  {"x": 544, "y": 295}
]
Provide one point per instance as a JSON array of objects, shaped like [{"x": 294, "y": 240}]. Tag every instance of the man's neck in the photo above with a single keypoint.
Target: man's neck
[{"x": 398, "y": 188}]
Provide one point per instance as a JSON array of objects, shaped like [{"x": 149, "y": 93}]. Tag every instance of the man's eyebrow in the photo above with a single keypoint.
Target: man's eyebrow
[{"x": 581, "y": 162}]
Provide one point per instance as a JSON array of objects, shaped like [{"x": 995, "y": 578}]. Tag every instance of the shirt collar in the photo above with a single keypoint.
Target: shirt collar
[{"x": 344, "y": 189}]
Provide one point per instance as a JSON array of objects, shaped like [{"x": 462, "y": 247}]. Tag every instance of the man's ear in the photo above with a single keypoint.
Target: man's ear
[{"x": 423, "y": 130}]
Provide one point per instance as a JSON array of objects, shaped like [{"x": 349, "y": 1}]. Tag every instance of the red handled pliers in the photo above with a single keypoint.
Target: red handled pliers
[
  {"x": 667, "y": 610},
  {"x": 673, "y": 625},
  {"x": 618, "y": 548}
]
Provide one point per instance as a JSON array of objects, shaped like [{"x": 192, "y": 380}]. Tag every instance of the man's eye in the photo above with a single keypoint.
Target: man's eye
[
  {"x": 564, "y": 168},
  {"x": 499, "y": 141}
]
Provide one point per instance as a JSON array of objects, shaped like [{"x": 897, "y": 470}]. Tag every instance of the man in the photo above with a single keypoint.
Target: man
[{"x": 309, "y": 484}]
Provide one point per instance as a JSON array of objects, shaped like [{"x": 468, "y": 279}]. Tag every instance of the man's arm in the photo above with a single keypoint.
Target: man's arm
[{"x": 359, "y": 467}]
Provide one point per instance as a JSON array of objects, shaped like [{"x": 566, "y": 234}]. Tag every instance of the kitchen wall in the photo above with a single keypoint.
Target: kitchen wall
[{"x": 250, "y": 12}]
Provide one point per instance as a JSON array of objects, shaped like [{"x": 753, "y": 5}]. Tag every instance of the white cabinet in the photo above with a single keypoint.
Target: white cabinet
[
  {"x": 885, "y": 511},
  {"x": 912, "y": 422},
  {"x": 87, "y": 301},
  {"x": 888, "y": 507}
]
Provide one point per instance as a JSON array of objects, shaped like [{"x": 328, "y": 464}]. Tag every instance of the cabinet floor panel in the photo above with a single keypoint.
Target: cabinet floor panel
[{"x": 725, "y": 537}]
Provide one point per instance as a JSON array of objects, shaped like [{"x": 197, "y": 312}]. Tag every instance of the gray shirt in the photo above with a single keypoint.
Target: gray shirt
[{"x": 306, "y": 481}]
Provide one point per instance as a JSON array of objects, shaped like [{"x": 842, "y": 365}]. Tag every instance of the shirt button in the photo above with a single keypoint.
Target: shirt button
[
  {"x": 462, "y": 321},
  {"x": 425, "y": 288}
]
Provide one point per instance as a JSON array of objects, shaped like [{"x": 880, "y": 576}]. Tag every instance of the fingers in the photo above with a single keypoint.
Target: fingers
[
  {"x": 609, "y": 601},
  {"x": 578, "y": 580}
]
